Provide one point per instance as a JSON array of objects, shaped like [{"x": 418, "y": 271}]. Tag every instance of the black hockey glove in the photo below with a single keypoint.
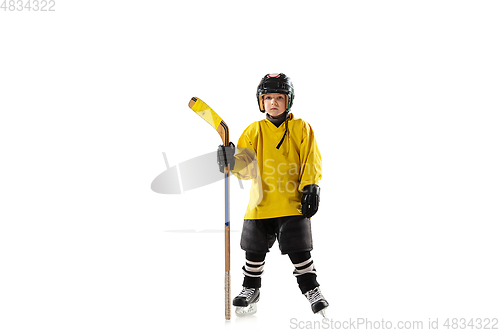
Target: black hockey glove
[
  {"x": 310, "y": 200},
  {"x": 225, "y": 156}
]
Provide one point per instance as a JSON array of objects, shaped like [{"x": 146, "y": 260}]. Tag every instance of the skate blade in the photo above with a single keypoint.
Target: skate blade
[
  {"x": 246, "y": 311},
  {"x": 322, "y": 312}
]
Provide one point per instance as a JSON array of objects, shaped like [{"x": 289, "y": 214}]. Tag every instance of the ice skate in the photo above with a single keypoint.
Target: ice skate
[
  {"x": 246, "y": 301},
  {"x": 318, "y": 302}
]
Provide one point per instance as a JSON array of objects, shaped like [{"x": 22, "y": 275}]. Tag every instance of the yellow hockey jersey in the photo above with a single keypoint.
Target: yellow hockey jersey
[{"x": 280, "y": 161}]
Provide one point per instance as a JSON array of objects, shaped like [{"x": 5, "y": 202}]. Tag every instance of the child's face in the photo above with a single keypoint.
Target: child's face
[{"x": 274, "y": 104}]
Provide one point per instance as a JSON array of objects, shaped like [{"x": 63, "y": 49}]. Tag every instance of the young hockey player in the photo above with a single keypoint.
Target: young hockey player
[{"x": 284, "y": 196}]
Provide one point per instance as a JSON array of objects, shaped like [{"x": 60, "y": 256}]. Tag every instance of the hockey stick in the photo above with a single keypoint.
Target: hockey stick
[{"x": 206, "y": 112}]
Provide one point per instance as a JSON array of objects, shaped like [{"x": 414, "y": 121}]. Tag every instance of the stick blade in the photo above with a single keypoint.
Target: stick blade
[{"x": 205, "y": 111}]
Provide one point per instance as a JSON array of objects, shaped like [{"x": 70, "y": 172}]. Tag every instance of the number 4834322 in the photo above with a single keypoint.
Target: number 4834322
[{"x": 28, "y": 5}]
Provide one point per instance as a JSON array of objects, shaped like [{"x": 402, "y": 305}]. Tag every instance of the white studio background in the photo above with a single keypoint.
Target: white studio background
[{"x": 402, "y": 95}]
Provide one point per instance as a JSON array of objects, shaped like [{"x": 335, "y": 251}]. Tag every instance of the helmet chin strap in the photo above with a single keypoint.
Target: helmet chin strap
[{"x": 286, "y": 131}]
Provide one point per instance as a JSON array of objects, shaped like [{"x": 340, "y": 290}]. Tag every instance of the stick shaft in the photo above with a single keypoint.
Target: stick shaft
[
  {"x": 227, "y": 223},
  {"x": 227, "y": 246},
  {"x": 227, "y": 234}
]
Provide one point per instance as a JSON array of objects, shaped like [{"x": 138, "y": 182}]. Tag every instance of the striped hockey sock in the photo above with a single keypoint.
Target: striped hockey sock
[
  {"x": 304, "y": 271},
  {"x": 253, "y": 270},
  {"x": 305, "y": 267}
]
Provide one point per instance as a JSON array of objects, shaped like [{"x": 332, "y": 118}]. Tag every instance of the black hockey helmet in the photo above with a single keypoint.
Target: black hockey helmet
[{"x": 275, "y": 83}]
